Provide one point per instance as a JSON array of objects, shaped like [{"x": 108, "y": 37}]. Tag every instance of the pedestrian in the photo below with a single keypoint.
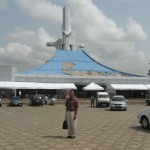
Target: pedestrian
[
  {"x": 19, "y": 93},
  {"x": 92, "y": 101},
  {"x": 3, "y": 93},
  {"x": 46, "y": 99},
  {"x": 71, "y": 114}
]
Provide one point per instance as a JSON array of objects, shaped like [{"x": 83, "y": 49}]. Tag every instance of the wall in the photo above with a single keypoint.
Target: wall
[{"x": 7, "y": 73}]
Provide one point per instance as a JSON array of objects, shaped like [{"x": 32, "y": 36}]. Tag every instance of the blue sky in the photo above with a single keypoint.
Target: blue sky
[{"x": 115, "y": 32}]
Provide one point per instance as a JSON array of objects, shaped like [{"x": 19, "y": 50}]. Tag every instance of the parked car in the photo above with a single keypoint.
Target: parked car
[
  {"x": 15, "y": 101},
  {"x": 144, "y": 118},
  {"x": 118, "y": 102},
  {"x": 36, "y": 100},
  {"x": 102, "y": 98},
  {"x": 148, "y": 101}
]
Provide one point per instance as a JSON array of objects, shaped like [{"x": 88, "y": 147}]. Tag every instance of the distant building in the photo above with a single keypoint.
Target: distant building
[
  {"x": 69, "y": 65},
  {"x": 7, "y": 73}
]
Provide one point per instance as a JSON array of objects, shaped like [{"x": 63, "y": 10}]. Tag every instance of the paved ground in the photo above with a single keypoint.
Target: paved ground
[{"x": 40, "y": 128}]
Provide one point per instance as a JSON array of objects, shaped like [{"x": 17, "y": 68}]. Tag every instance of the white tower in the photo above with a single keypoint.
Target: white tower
[{"x": 67, "y": 42}]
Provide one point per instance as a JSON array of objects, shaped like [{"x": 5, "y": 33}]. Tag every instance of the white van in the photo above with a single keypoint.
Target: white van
[{"x": 102, "y": 98}]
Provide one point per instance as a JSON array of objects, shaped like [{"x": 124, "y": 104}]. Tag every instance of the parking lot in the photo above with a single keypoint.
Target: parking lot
[{"x": 40, "y": 128}]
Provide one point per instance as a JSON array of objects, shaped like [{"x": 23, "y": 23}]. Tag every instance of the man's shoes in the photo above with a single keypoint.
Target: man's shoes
[{"x": 72, "y": 137}]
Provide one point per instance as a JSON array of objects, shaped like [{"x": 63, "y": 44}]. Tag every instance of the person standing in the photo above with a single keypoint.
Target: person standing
[
  {"x": 71, "y": 114},
  {"x": 3, "y": 93},
  {"x": 46, "y": 99},
  {"x": 20, "y": 93},
  {"x": 92, "y": 101}
]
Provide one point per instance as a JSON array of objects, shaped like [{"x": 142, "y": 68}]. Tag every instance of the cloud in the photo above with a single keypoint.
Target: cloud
[
  {"x": 90, "y": 20},
  {"x": 4, "y": 5},
  {"x": 43, "y": 10},
  {"x": 104, "y": 40},
  {"x": 14, "y": 53},
  {"x": 113, "y": 46},
  {"x": 27, "y": 49},
  {"x": 35, "y": 38},
  {"x": 134, "y": 30}
]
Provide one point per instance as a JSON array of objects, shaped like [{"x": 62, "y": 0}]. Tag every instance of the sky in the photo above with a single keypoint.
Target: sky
[{"x": 115, "y": 32}]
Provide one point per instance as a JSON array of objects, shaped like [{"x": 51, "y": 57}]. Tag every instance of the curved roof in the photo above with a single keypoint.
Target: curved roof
[{"x": 73, "y": 63}]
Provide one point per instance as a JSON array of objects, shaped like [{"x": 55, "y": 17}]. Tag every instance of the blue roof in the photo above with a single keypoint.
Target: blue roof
[{"x": 78, "y": 60}]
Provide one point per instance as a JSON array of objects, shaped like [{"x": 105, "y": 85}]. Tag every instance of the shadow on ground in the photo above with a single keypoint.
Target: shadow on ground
[
  {"x": 54, "y": 136},
  {"x": 139, "y": 128}
]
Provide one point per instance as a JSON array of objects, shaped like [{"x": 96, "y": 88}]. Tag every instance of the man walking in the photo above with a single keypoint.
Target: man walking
[{"x": 71, "y": 114}]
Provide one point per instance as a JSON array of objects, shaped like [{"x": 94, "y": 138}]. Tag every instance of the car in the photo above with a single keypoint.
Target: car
[
  {"x": 36, "y": 100},
  {"x": 148, "y": 101},
  {"x": 102, "y": 98},
  {"x": 118, "y": 102},
  {"x": 144, "y": 118},
  {"x": 15, "y": 101}
]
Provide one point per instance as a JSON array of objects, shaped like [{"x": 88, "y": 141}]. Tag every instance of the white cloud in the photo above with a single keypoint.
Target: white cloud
[
  {"x": 44, "y": 10},
  {"x": 38, "y": 38},
  {"x": 90, "y": 20},
  {"x": 17, "y": 48},
  {"x": 135, "y": 30},
  {"x": 14, "y": 53},
  {"x": 27, "y": 49},
  {"x": 112, "y": 45},
  {"x": 141, "y": 57}
]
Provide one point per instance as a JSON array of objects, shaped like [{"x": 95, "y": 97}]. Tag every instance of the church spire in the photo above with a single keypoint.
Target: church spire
[{"x": 67, "y": 42}]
